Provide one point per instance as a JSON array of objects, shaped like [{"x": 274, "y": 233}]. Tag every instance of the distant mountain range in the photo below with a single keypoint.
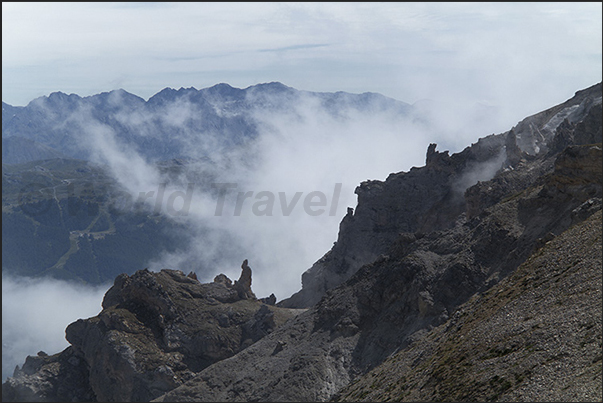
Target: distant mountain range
[
  {"x": 52, "y": 153},
  {"x": 164, "y": 127}
]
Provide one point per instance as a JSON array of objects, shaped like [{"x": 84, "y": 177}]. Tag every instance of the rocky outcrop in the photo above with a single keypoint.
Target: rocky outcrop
[
  {"x": 60, "y": 377},
  {"x": 156, "y": 330},
  {"x": 534, "y": 133},
  {"x": 243, "y": 284}
]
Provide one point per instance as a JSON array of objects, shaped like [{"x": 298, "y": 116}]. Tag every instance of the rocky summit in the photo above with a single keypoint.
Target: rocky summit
[
  {"x": 156, "y": 330},
  {"x": 474, "y": 277}
]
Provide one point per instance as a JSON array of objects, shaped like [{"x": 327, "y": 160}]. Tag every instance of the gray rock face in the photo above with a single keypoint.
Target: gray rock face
[
  {"x": 535, "y": 336},
  {"x": 423, "y": 199},
  {"x": 156, "y": 330},
  {"x": 61, "y": 377},
  {"x": 243, "y": 284}
]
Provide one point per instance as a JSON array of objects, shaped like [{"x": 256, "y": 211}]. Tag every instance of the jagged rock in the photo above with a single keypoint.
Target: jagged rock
[
  {"x": 223, "y": 279},
  {"x": 534, "y": 133},
  {"x": 156, "y": 330},
  {"x": 563, "y": 137},
  {"x": 243, "y": 284},
  {"x": 61, "y": 377},
  {"x": 588, "y": 130},
  {"x": 270, "y": 300},
  {"x": 513, "y": 152},
  {"x": 436, "y": 159}
]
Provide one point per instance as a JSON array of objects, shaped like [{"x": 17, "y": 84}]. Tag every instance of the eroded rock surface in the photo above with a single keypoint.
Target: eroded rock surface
[
  {"x": 156, "y": 330},
  {"x": 535, "y": 336}
]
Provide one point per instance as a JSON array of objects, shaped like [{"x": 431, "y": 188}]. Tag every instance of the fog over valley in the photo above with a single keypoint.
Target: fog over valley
[
  {"x": 269, "y": 180},
  {"x": 35, "y": 313}
]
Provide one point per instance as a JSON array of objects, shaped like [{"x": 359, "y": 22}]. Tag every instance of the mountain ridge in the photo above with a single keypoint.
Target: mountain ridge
[{"x": 53, "y": 120}]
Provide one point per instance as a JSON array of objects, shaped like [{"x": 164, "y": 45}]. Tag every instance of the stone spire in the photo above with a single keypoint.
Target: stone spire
[{"x": 243, "y": 284}]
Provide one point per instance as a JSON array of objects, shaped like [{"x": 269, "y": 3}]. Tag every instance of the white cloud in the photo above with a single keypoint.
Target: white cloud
[{"x": 35, "y": 313}]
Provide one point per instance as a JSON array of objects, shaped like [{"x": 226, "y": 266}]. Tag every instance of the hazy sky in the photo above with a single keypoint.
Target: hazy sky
[{"x": 533, "y": 55}]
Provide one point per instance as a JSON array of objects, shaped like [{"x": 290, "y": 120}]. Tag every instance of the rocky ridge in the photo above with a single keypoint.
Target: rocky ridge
[
  {"x": 165, "y": 126},
  {"x": 431, "y": 198},
  {"x": 391, "y": 302},
  {"x": 156, "y": 330}
]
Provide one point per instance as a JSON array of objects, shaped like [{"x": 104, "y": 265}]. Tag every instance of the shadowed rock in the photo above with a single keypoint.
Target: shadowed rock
[{"x": 243, "y": 284}]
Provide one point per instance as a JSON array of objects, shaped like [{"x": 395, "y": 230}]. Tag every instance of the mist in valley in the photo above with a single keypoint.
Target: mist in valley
[
  {"x": 35, "y": 313},
  {"x": 276, "y": 198}
]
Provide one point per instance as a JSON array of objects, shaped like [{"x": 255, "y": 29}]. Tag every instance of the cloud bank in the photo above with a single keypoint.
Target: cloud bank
[{"x": 35, "y": 313}]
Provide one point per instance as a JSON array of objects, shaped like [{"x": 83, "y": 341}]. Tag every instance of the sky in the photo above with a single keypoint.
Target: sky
[
  {"x": 515, "y": 59},
  {"x": 491, "y": 53}
]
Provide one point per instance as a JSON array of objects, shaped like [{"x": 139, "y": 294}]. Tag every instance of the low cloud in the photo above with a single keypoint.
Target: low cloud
[
  {"x": 479, "y": 172},
  {"x": 305, "y": 151},
  {"x": 35, "y": 313}
]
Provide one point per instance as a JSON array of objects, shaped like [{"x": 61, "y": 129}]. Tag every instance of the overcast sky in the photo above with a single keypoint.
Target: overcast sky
[{"x": 533, "y": 55}]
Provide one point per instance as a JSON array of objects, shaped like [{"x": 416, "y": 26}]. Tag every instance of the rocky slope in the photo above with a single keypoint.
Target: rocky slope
[
  {"x": 419, "y": 245},
  {"x": 536, "y": 336},
  {"x": 156, "y": 330}
]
